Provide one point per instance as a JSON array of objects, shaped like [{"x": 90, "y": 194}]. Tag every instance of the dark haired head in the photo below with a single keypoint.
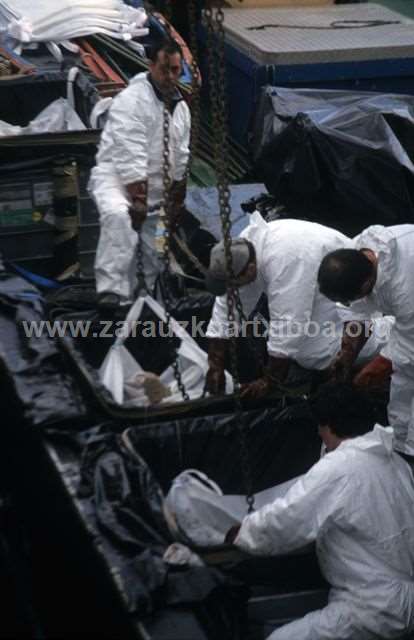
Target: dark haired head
[
  {"x": 344, "y": 273},
  {"x": 347, "y": 411},
  {"x": 169, "y": 46}
]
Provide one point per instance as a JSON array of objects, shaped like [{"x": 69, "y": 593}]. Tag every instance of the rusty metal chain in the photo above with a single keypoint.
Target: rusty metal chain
[
  {"x": 141, "y": 281},
  {"x": 215, "y": 42},
  {"x": 217, "y": 81},
  {"x": 195, "y": 84},
  {"x": 165, "y": 212}
]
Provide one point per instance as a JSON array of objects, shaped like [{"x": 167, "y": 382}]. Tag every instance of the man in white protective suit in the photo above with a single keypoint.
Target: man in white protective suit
[
  {"x": 357, "y": 505},
  {"x": 281, "y": 259},
  {"x": 127, "y": 181},
  {"x": 378, "y": 274}
]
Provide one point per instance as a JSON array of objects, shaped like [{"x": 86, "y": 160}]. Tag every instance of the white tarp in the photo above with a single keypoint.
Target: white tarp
[
  {"x": 47, "y": 21},
  {"x": 57, "y": 116},
  {"x": 120, "y": 370}
]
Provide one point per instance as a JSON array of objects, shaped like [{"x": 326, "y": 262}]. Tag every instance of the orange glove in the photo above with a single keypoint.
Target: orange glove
[{"x": 375, "y": 375}]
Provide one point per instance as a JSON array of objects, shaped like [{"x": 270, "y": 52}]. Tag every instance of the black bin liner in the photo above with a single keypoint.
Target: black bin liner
[
  {"x": 338, "y": 157},
  {"x": 282, "y": 442},
  {"x": 121, "y": 481},
  {"x": 123, "y": 504}
]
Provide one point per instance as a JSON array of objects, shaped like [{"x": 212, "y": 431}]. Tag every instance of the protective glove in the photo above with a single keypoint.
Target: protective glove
[
  {"x": 375, "y": 375},
  {"x": 137, "y": 192},
  {"x": 215, "y": 380},
  {"x": 275, "y": 372},
  {"x": 176, "y": 200},
  {"x": 354, "y": 338}
]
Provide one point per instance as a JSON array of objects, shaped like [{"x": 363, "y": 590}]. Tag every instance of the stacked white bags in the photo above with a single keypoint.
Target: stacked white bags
[{"x": 29, "y": 21}]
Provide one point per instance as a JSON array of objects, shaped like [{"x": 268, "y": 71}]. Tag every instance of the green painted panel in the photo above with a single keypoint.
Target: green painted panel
[{"x": 403, "y": 6}]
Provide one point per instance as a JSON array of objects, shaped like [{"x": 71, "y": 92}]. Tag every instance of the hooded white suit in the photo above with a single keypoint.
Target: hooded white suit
[
  {"x": 357, "y": 504},
  {"x": 304, "y": 325},
  {"x": 131, "y": 150}
]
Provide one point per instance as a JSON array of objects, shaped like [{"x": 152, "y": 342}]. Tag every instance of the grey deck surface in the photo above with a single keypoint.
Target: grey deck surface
[{"x": 304, "y": 45}]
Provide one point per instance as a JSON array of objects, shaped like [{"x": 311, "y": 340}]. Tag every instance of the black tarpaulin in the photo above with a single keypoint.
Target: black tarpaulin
[
  {"x": 121, "y": 503},
  {"x": 127, "y": 499},
  {"x": 116, "y": 484},
  {"x": 39, "y": 387},
  {"x": 346, "y": 157},
  {"x": 120, "y": 481},
  {"x": 282, "y": 441}
]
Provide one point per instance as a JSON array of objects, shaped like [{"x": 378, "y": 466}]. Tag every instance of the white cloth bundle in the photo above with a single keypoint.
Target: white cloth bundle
[{"x": 27, "y": 21}]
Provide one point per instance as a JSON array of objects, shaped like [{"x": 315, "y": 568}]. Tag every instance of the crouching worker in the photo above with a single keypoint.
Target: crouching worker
[
  {"x": 357, "y": 504},
  {"x": 281, "y": 260},
  {"x": 377, "y": 275}
]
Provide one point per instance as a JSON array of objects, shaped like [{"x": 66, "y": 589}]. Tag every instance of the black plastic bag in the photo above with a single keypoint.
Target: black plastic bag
[{"x": 344, "y": 158}]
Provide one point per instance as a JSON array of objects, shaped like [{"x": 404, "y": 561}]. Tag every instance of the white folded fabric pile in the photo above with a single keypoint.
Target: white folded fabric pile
[{"x": 29, "y": 21}]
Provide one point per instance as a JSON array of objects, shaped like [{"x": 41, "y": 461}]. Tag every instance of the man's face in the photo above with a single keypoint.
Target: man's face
[{"x": 166, "y": 71}]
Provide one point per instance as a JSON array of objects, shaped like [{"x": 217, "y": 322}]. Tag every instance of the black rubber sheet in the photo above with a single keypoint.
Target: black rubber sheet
[{"x": 338, "y": 157}]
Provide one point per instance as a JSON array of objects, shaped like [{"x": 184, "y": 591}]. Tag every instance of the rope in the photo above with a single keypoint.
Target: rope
[{"x": 335, "y": 24}]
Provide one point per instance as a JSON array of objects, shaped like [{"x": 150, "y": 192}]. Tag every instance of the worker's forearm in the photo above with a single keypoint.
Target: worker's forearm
[{"x": 355, "y": 335}]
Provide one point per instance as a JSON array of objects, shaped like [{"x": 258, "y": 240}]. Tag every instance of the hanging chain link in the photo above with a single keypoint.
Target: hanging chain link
[
  {"x": 195, "y": 84},
  {"x": 217, "y": 81},
  {"x": 165, "y": 212},
  {"x": 141, "y": 281},
  {"x": 216, "y": 70}
]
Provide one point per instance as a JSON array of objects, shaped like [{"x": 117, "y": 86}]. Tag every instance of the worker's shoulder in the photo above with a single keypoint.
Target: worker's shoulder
[
  {"x": 139, "y": 88},
  {"x": 305, "y": 231},
  {"x": 347, "y": 464},
  {"x": 379, "y": 235},
  {"x": 306, "y": 240}
]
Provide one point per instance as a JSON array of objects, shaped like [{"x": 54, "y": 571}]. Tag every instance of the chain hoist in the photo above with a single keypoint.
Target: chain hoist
[
  {"x": 166, "y": 214},
  {"x": 217, "y": 81}
]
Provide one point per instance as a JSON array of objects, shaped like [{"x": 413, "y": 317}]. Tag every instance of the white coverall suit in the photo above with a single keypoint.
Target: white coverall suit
[
  {"x": 357, "y": 504},
  {"x": 393, "y": 293},
  {"x": 304, "y": 325},
  {"x": 130, "y": 150}
]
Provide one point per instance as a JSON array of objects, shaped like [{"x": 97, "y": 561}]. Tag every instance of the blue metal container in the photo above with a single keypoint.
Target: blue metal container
[{"x": 359, "y": 46}]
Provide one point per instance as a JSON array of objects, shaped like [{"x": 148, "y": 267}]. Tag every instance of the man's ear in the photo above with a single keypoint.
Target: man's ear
[
  {"x": 368, "y": 285},
  {"x": 251, "y": 270}
]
